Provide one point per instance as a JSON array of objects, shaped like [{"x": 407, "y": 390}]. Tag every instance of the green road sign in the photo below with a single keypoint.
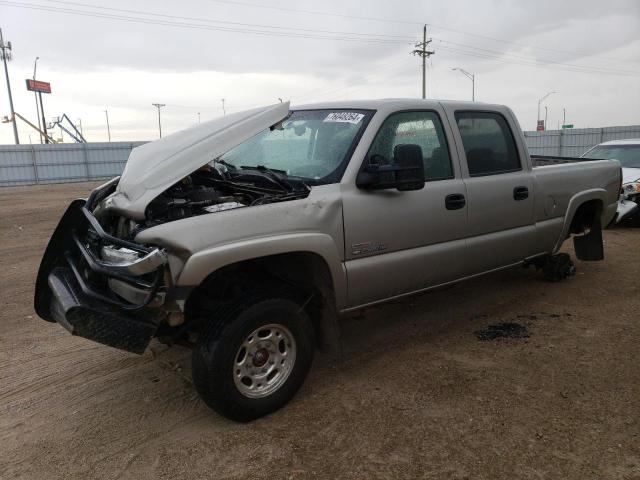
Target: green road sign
[{"x": 567, "y": 126}]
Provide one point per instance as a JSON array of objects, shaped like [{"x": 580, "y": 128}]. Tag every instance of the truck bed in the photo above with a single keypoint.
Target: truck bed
[{"x": 543, "y": 160}]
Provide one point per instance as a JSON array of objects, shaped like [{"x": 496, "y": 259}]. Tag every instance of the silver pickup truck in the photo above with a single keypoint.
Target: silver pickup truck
[{"x": 247, "y": 236}]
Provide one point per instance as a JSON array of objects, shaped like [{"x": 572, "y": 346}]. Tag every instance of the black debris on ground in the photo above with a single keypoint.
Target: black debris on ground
[{"x": 502, "y": 330}]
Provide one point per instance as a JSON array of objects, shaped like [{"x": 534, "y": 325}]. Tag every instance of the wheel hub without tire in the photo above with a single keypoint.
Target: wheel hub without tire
[{"x": 264, "y": 361}]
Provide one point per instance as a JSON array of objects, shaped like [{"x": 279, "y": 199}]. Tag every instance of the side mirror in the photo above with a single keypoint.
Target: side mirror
[{"x": 405, "y": 173}]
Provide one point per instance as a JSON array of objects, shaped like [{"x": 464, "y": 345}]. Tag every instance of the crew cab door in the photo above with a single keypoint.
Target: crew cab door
[
  {"x": 399, "y": 242},
  {"x": 500, "y": 189}
]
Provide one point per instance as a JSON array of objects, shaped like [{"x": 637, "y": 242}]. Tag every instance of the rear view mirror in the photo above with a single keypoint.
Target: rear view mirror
[{"x": 405, "y": 173}]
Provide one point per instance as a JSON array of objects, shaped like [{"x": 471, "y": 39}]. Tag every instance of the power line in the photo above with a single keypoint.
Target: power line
[
  {"x": 414, "y": 22},
  {"x": 522, "y": 57},
  {"x": 152, "y": 21},
  {"x": 499, "y": 58},
  {"x": 479, "y": 52},
  {"x": 315, "y": 12},
  {"x": 524, "y": 45},
  {"x": 227, "y": 22},
  {"x": 313, "y": 94}
]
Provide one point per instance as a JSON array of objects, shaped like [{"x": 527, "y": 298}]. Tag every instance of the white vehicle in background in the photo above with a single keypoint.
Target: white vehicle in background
[{"x": 627, "y": 152}]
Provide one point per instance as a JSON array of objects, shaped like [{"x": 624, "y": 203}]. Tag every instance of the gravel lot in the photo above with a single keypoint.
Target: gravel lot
[{"x": 417, "y": 394}]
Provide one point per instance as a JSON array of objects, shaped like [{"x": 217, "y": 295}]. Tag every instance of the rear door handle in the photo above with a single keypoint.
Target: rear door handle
[
  {"x": 520, "y": 193},
  {"x": 455, "y": 201}
]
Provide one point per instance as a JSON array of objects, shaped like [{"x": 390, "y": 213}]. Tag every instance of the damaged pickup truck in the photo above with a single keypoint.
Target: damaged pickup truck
[{"x": 247, "y": 236}]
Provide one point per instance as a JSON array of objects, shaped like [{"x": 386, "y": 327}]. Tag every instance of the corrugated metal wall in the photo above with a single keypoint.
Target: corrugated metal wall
[
  {"x": 58, "y": 163},
  {"x": 574, "y": 142}
]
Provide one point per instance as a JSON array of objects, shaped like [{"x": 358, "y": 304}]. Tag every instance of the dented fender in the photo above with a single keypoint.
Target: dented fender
[{"x": 200, "y": 265}]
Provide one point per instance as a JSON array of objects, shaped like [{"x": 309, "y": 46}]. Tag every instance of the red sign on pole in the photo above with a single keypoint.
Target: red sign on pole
[
  {"x": 38, "y": 86},
  {"x": 540, "y": 127}
]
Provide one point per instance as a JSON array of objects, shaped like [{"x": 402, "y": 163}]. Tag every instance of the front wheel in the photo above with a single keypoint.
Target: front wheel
[{"x": 253, "y": 359}]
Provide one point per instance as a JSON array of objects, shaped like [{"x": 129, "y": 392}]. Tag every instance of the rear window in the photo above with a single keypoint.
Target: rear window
[{"x": 488, "y": 143}]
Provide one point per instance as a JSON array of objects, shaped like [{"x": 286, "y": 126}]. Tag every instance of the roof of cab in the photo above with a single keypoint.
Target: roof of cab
[{"x": 385, "y": 103}]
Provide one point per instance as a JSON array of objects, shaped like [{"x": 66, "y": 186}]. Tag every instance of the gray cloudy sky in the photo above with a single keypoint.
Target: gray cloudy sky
[{"x": 124, "y": 55}]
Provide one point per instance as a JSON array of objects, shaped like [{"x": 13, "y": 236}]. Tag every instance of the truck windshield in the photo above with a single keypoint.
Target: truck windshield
[
  {"x": 312, "y": 144},
  {"x": 627, "y": 155}
]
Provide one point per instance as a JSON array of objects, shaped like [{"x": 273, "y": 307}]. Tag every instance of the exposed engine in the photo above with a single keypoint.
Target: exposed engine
[
  {"x": 187, "y": 199},
  {"x": 210, "y": 190}
]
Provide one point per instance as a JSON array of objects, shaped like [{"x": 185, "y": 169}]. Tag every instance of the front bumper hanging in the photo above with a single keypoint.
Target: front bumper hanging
[{"x": 73, "y": 283}]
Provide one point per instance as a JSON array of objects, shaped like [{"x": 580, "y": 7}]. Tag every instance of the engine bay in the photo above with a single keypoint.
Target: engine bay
[{"x": 210, "y": 189}]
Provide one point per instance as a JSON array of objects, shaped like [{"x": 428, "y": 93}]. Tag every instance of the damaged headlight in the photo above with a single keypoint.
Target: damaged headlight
[
  {"x": 631, "y": 187},
  {"x": 119, "y": 255},
  {"x": 131, "y": 261}
]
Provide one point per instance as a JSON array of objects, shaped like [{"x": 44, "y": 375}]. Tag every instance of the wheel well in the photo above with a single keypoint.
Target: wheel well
[
  {"x": 304, "y": 277},
  {"x": 585, "y": 216}
]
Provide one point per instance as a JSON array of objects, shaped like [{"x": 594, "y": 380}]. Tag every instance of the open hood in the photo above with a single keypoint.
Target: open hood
[{"x": 155, "y": 166}]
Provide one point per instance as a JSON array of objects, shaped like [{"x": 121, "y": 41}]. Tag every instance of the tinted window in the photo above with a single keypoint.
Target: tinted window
[
  {"x": 488, "y": 143},
  {"x": 419, "y": 128}
]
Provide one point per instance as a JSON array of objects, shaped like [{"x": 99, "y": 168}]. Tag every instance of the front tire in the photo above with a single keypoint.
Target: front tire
[{"x": 253, "y": 359}]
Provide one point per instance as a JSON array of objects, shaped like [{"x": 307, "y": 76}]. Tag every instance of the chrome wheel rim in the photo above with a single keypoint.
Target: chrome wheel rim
[{"x": 264, "y": 361}]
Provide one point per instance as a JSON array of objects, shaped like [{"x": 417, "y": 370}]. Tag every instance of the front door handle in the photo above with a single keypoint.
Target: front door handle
[
  {"x": 455, "y": 201},
  {"x": 520, "y": 193}
]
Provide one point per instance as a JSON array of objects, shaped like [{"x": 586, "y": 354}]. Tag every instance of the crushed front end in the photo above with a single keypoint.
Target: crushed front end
[{"x": 99, "y": 286}]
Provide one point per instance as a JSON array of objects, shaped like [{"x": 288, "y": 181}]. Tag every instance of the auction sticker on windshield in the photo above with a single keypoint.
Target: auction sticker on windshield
[{"x": 345, "y": 117}]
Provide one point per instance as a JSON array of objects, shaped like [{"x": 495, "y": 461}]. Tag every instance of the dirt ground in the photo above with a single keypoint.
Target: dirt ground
[{"x": 416, "y": 395}]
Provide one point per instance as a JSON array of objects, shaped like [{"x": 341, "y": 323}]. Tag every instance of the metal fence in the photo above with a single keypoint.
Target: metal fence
[
  {"x": 59, "y": 163},
  {"x": 574, "y": 142}
]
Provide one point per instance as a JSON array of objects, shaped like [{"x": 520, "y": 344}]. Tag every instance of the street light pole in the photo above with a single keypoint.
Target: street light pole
[
  {"x": 106, "y": 114},
  {"x": 546, "y": 112},
  {"x": 539, "y": 102},
  {"x": 35, "y": 96},
  {"x": 159, "y": 106},
  {"x": 224, "y": 112},
  {"x": 5, "y": 53},
  {"x": 471, "y": 77}
]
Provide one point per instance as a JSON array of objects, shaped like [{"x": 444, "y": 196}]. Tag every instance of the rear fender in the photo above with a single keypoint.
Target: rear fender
[{"x": 575, "y": 203}]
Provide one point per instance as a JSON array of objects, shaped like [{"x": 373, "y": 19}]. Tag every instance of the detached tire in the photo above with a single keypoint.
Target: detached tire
[
  {"x": 253, "y": 359},
  {"x": 558, "y": 267}
]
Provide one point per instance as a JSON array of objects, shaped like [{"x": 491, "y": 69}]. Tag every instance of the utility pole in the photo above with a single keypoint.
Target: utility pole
[
  {"x": 159, "y": 106},
  {"x": 198, "y": 117},
  {"x": 564, "y": 116},
  {"x": 108, "y": 129},
  {"x": 80, "y": 125},
  {"x": 35, "y": 96},
  {"x": 224, "y": 112},
  {"x": 422, "y": 51},
  {"x": 5, "y": 53}
]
